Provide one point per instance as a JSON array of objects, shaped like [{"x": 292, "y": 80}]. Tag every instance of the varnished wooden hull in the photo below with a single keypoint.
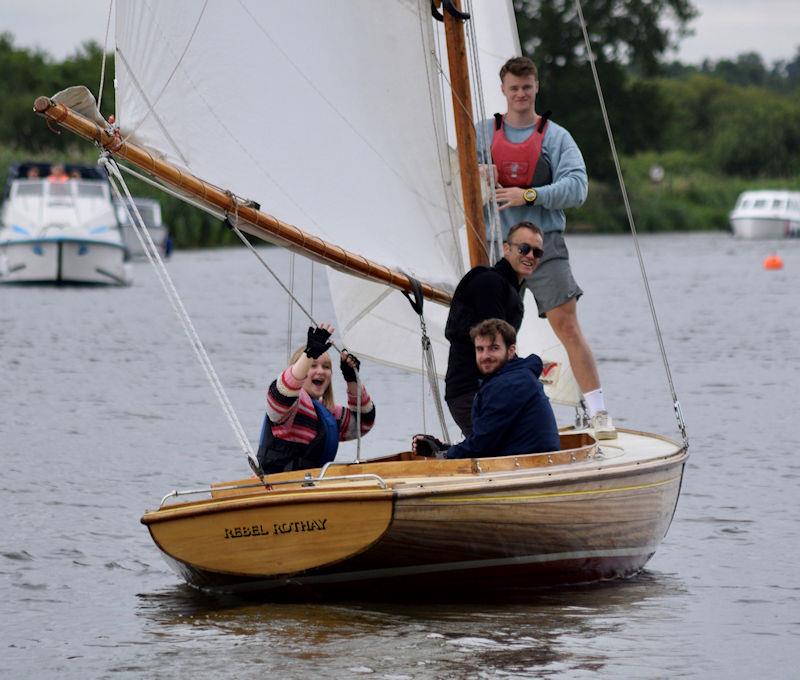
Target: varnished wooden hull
[{"x": 579, "y": 515}]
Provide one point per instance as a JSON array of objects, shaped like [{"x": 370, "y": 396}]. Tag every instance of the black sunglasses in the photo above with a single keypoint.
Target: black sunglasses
[{"x": 525, "y": 248}]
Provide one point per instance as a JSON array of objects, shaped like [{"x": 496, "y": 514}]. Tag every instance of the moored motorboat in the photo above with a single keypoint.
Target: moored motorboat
[
  {"x": 766, "y": 214},
  {"x": 150, "y": 211},
  {"x": 60, "y": 230}
]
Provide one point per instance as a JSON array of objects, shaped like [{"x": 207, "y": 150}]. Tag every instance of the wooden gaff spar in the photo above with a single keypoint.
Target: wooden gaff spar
[
  {"x": 400, "y": 522},
  {"x": 255, "y": 222}
]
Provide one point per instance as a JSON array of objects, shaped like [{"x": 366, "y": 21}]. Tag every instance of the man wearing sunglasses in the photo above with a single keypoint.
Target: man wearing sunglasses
[
  {"x": 538, "y": 171},
  {"x": 486, "y": 293}
]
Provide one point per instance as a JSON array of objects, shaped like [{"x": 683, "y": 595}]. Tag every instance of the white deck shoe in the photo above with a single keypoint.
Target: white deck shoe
[{"x": 603, "y": 426}]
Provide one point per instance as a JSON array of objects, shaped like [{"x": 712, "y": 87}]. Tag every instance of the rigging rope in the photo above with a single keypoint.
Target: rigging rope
[
  {"x": 590, "y": 55},
  {"x": 468, "y": 224},
  {"x": 154, "y": 257},
  {"x": 105, "y": 56},
  {"x": 495, "y": 240},
  {"x": 152, "y": 106},
  {"x": 417, "y": 302},
  {"x": 289, "y": 321},
  {"x": 234, "y": 226},
  {"x": 442, "y": 146}
]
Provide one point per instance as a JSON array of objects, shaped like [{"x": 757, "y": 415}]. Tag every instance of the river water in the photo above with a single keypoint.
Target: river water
[{"x": 103, "y": 409}]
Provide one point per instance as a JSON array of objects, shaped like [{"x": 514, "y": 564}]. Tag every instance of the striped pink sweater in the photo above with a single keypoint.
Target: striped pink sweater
[{"x": 293, "y": 418}]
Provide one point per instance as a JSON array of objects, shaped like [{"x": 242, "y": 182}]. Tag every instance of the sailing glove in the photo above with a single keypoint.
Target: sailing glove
[
  {"x": 348, "y": 371},
  {"x": 429, "y": 446},
  {"x": 318, "y": 342}
]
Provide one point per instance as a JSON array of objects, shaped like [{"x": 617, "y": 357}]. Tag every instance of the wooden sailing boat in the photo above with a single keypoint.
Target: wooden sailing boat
[{"x": 360, "y": 85}]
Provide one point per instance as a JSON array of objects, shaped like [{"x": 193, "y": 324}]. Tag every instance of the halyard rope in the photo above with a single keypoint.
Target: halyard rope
[
  {"x": 105, "y": 54},
  {"x": 154, "y": 257},
  {"x": 234, "y": 225},
  {"x": 590, "y": 55},
  {"x": 495, "y": 242}
]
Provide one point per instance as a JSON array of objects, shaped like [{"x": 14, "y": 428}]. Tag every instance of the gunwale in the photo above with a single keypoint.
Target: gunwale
[{"x": 416, "y": 477}]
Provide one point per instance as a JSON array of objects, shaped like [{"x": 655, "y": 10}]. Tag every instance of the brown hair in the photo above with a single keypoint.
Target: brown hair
[
  {"x": 327, "y": 395},
  {"x": 520, "y": 67},
  {"x": 491, "y": 328},
  {"x": 524, "y": 225}
]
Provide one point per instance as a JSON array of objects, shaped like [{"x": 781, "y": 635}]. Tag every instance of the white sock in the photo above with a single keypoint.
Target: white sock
[{"x": 594, "y": 401}]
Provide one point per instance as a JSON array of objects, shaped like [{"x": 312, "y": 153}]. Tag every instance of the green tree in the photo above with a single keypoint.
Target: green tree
[
  {"x": 628, "y": 36},
  {"x": 27, "y": 74}
]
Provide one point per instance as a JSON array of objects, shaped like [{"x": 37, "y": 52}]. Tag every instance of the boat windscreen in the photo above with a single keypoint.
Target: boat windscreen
[
  {"x": 29, "y": 188},
  {"x": 59, "y": 189},
  {"x": 90, "y": 190}
]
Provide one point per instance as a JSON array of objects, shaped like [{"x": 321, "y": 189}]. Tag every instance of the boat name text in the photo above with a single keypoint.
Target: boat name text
[
  {"x": 297, "y": 527},
  {"x": 278, "y": 528},
  {"x": 244, "y": 532}
]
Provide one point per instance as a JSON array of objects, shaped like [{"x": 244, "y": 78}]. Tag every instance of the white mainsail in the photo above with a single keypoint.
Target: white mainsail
[{"x": 332, "y": 116}]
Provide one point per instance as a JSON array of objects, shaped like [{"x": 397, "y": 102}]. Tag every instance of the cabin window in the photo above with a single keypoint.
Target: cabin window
[
  {"x": 90, "y": 190},
  {"x": 59, "y": 189},
  {"x": 31, "y": 188},
  {"x": 760, "y": 203},
  {"x": 777, "y": 204}
]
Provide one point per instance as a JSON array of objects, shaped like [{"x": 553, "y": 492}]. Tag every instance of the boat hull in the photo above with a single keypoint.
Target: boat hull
[
  {"x": 493, "y": 527},
  {"x": 64, "y": 261},
  {"x": 159, "y": 235},
  {"x": 764, "y": 228}
]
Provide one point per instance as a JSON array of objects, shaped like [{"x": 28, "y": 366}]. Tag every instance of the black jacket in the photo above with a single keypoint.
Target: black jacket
[{"x": 483, "y": 293}]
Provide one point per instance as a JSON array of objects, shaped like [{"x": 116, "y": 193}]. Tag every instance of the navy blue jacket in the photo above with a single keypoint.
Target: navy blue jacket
[{"x": 511, "y": 414}]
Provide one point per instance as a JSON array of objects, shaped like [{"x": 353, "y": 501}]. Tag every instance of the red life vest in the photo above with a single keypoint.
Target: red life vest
[{"x": 516, "y": 163}]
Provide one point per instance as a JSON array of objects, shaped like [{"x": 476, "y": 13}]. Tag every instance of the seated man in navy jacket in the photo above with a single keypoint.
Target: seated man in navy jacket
[{"x": 511, "y": 413}]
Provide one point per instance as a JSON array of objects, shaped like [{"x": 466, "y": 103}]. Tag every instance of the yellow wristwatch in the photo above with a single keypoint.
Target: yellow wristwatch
[{"x": 530, "y": 196}]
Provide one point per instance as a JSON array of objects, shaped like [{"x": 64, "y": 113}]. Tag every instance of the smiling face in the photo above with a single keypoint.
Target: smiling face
[
  {"x": 520, "y": 93},
  {"x": 523, "y": 265},
  {"x": 319, "y": 377},
  {"x": 491, "y": 353}
]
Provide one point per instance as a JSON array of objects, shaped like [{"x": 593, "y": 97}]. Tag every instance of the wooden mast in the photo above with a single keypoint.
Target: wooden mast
[
  {"x": 252, "y": 220},
  {"x": 465, "y": 134}
]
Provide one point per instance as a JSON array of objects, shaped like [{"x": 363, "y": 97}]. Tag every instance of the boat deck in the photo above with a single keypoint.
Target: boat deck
[{"x": 406, "y": 474}]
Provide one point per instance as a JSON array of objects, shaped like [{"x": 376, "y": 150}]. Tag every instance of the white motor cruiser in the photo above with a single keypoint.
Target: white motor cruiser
[
  {"x": 766, "y": 214},
  {"x": 61, "y": 228},
  {"x": 150, "y": 211}
]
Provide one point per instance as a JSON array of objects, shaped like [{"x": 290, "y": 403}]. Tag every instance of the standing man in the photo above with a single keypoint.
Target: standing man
[
  {"x": 511, "y": 413},
  {"x": 486, "y": 293},
  {"x": 539, "y": 171}
]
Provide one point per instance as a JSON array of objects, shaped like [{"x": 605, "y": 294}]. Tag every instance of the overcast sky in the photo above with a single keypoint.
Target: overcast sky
[{"x": 725, "y": 28}]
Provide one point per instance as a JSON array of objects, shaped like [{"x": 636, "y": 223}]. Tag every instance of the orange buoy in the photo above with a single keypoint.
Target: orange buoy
[{"x": 773, "y": 261}]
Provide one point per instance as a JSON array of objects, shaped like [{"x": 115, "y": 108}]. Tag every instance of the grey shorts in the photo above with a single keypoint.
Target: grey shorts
[{"x": 552, "y": 283}]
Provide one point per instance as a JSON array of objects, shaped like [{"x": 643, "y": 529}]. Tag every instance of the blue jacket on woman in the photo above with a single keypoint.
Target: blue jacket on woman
[{"x": 511, "y": 414}]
